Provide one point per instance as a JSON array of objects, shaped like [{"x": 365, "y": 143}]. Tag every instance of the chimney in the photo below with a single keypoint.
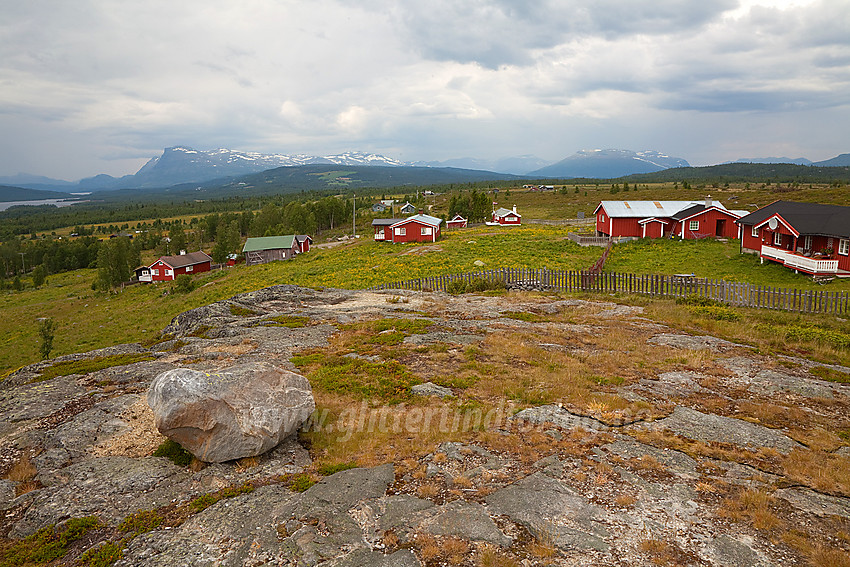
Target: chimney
[
  {"x": 514, "y": 209},
  {"x": 708, "y": 201},
  {"x": 182, "y": 252}
]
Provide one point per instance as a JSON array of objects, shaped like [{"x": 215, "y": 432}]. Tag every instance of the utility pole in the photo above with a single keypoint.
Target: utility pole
[
  {"x": 354, "y": 215},
  {"x": 23, "y": 265}
]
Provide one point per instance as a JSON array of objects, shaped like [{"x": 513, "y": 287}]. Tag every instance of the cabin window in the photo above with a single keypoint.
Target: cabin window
[
  {"x": 155, "y": 272},
  {"x": 189, "y": 268},
  {"x": 844, "y": 247},
  {"x": 426, "y": 231},
  {"x": 807, "y": 242},
  {"x": 380, "y": 233},
  {"x": 169, "y": 273},
  {"x": 401, "y": 231},
  {"x": 602, "y": 217},
  {"x": 777, "y": 238},
  {"x": 693, "y": 225},
  {"x": 754, "y": 232}
]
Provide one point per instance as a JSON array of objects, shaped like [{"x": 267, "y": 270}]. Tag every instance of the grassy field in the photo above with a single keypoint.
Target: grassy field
[{"x": 87, "y": 320}]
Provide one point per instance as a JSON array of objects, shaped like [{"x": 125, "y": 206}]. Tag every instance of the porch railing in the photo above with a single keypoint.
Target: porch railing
[{"x": 790, "y": 259}]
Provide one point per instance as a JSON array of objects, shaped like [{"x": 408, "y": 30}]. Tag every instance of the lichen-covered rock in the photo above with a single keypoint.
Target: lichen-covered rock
[
  {"x": 693, "y": 424},
  {"x": 242, "y": 411}
]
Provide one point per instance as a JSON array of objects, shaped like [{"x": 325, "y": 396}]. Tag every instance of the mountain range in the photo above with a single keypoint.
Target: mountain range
[{"x": 182, "y": 165}]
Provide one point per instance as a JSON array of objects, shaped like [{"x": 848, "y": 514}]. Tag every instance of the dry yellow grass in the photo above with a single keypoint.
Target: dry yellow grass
[
  {"x": 23, "y": 470},
  {"x": 625, "y": 500},
  {"x": 821, "y": 471},
  {"x": 455, "y": 550},
  {"x": 429, "y": 549},
  {"x": 752, "y": 505},
  {"x": 490, "y": 556},
  {"x": 428, "y": 490}
]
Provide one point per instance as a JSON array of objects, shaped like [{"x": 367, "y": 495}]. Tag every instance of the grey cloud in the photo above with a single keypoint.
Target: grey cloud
[{"x": 506, "y": 32}]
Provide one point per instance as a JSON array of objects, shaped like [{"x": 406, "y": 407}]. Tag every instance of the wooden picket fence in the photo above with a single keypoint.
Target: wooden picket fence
[{"x": 729, "y": 293}]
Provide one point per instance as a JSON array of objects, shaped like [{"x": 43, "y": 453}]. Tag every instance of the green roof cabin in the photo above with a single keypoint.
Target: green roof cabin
[{"x": 271, "y": 248}]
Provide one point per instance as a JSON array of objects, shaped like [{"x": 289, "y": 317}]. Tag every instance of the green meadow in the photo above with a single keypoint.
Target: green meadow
[{"x": 88, "y": 320}]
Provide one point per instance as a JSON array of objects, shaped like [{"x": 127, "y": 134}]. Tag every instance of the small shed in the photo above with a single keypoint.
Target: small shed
[
  {"x": 266, "y": 249},
  {"x": 304, "y": 242},
  {"x": 456, "y": 221}
]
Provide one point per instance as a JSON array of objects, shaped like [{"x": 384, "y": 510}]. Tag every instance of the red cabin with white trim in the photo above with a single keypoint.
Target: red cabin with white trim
[
  {"x": 657, "y": 219},
  {"x": 167, "y": 268},
  {"x": 806, "y": 237},
  {"x": 418, "y": 228},
  {"x": 506, "y": 217}
]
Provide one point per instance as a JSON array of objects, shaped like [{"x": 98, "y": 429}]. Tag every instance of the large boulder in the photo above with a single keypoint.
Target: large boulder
[{"x": 242, "y": 411}]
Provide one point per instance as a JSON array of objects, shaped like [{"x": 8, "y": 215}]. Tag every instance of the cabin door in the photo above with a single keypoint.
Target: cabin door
[{"x": 721, "y": 226}]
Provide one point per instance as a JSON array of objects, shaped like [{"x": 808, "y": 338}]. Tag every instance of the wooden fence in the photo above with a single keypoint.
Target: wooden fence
[
  {"x": 597, "y": 240},
  {"x": 729, "y": 293}
]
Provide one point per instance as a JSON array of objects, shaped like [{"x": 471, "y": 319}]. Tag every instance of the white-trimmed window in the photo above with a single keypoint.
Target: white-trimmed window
[
  {"x": 693, "y": 225},
  {"x": 754, "y": 232},
  {"x": 155, "y": 271},
  {"x": 401, "y": 231},
  {"x": 426, "y": 231},
  {"x": 189, "y": 268},
  {"x": 844, "y": 247},
  {"x": 807, "y": 242},
  {"x": 169, "y": 272},
  {"x": 601, "y": 217},
  {"x": 380, "y": 234},
  {"x": 777, "y": 238}
]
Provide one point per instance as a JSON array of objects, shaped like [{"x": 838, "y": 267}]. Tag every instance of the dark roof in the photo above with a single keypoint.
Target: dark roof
[
  {"x": 684, "y": 213},
  {"x": 697, "y": 209},
  {"x": 182, "y": 260},
  {"x": 303, "y": 237},
  {"x": 385, "y": 222},
  {"x": 806, "y": 218}
]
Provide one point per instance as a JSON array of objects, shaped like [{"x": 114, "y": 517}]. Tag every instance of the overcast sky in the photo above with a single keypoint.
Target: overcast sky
[{"x": 101, "y": 86}]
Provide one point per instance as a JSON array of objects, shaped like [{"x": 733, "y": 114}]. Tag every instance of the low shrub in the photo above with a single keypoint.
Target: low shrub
[
  {"x": 184, "y": 283},
  {"x": 388, "y": 381},
  {"x": 830, "y": 374},
  {"x": 301, "y": 482},
  {"x": 203, "y": 502},
  {"x": 697, "y": 300},
  {"x": 328, "y": 469},
  {"x": 88, "y": 365},
  {"x": 172, "y": 451},
  {"x": 289, "y": 321},
  {"x": 240, "y": 311},
  {"x": 48, "y": 543},
  {"x": 103, "y": 555},
  {"x": 475, "y": 285},
  {"x": 836, "y": 339},
  {"x": 140, "y": 522},
  {"x": 716, "y": 312}
]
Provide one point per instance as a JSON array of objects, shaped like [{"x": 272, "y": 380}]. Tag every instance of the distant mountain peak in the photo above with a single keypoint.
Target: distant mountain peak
[
  {"x": 183, "y": 164},
  {"x": 610, "y": 163}
]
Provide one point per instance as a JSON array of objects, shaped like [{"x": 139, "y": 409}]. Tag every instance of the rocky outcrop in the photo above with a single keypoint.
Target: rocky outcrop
[
  {"x": 241, "y": 411},
  {"x": 552, "y": 484}
]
